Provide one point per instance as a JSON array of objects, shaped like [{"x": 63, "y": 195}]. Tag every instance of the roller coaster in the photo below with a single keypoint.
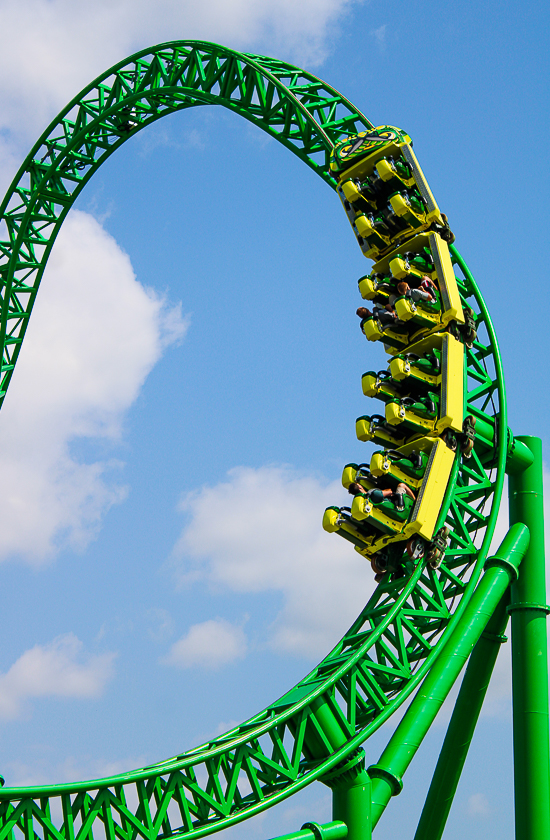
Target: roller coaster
[{"x": 424, "y": 506}]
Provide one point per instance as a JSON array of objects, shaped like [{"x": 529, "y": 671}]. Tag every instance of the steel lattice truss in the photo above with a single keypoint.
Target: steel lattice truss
[
  {"x": 295, "y": 107},
  {"x": 316, "y": 729}
]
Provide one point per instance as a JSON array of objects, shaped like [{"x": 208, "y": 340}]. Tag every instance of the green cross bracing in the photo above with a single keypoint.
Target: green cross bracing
[
  {"x": 315, "y": 731},
  {"x": 296, "y": 108}
]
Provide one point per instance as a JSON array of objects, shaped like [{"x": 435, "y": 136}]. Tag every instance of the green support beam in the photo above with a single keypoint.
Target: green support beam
[
  {"x": 500, "y": 570},
  {"x": 529, "y": 658},
  {"x": 462, "y": 726},
  {"x": 316, "y": 831},
  {"x": 349, "y": 781},
  {"x": 351, "y": 803}
]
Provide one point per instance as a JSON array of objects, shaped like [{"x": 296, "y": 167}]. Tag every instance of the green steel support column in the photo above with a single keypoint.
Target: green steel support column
[
  {"x": 462, "y": 725},
  {"x": 350, "y": 784},
  {"x": 500, "y": 570},
  {"x": 470, "y": 698},
  {"x": 351, "y": 804},
  {"x": 518, "y": 457},
  {"x": 529, "y": 658}
]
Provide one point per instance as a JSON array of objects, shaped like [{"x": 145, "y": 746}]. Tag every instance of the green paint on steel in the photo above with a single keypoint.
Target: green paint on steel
[
  {"x": 316, "y": 729},
  {"x": 351, "y": 803},
  {"x": 462, "y": 726},
  {"x": 297, "y": 109},
  {"x": 529, "y": 657},
  {"x": 335, "y": 830},
  {"x": 500, "y": 571}
]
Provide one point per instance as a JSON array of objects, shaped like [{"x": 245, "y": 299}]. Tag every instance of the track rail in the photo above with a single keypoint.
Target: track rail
[{"x": 315, "y": 730}]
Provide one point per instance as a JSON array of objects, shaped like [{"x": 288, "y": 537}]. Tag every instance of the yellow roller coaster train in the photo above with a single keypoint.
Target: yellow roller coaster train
[{"x": 419, "y": 316}]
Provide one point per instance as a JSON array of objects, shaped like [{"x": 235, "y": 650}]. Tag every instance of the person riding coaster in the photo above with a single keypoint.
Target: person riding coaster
[
  {"x": 384, "y": 312},
  {"x": 390, "y": 330},
  {"x": 425, "y": 292},
  {"x": 420, "y": 315},
  {"x": 398, "y": 320},
  {"x": 363, "y": 534},
  {"x": 378, "y": 495},
  {"x": 409, "y": 267},
  {"x": 422, "y": 291},
  {"x": 423, "y": 264},
  {"x": 382, "y": 386}
]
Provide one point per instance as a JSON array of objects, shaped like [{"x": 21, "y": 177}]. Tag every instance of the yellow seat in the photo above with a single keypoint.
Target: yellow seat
[
  {"x": 407, "y": 310},
  {"x": 351, "y": 191},
  {"x": 366, "y": 430},
  {"x": 368, "y": 288},
  {"x": 372, "y": 330},
  {"x": 381, "y": 464}
]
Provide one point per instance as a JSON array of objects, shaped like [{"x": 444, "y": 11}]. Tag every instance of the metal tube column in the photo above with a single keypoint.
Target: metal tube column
[
  {"x": 470, "y": 697},
  {"x": 529, "y": 658},
  {"x": 500, "y": 570},
  {"x": 462, "y": 726},
  {"x": 351, "y": 803},
  {"x": 348, "y": 780}
]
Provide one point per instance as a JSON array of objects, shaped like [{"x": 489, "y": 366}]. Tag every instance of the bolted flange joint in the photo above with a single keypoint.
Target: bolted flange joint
[
  {"x": 345, "y": 771},
  {"x": 394, "y": 781}
]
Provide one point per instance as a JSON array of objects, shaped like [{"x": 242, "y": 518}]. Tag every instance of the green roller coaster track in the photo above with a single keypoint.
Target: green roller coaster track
[{"x": 315, "y": 731}]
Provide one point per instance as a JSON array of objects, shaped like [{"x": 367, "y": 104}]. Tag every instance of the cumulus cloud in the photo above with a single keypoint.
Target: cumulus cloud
[
  {"x": 55, "y": 670},
  {"x": 478, "y": 806},
  {"x": 161, "y": 624},
  {"x": 41, "y": 771},
  {"x": 50, "y": 49},
  {"x": 210, "y": 644},
  {"x": 94, "y": 336},
  {"x": 261, "y": 531},
  {"x": 380, "y": 37}
]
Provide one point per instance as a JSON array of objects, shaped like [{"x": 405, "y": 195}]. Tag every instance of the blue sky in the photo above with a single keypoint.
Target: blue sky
[{"x": 186, "y": 397}]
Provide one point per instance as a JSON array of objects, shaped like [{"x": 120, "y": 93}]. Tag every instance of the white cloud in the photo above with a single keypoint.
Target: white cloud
[
  {"x": 211, "y": 645},
  {"x": 478, "y": 806},
  {"x": 71, "y": 381},
  {"x": 261, "y": 530},
  {"x": 162, "y": 624},
  {"x": 50, "y": 49},
  {"x": 380, "y": 37},
  {"x": 94, "y": 336},
  {"x": 71, "y": 769},
  {"x": 53, "y": 670}
]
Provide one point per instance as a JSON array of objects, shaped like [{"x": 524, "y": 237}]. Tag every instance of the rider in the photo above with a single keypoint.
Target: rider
[
  {"x": 384, "y": 312},
  {"x": 377, "y": 494},
  {"x": 425, "y": 290}
]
